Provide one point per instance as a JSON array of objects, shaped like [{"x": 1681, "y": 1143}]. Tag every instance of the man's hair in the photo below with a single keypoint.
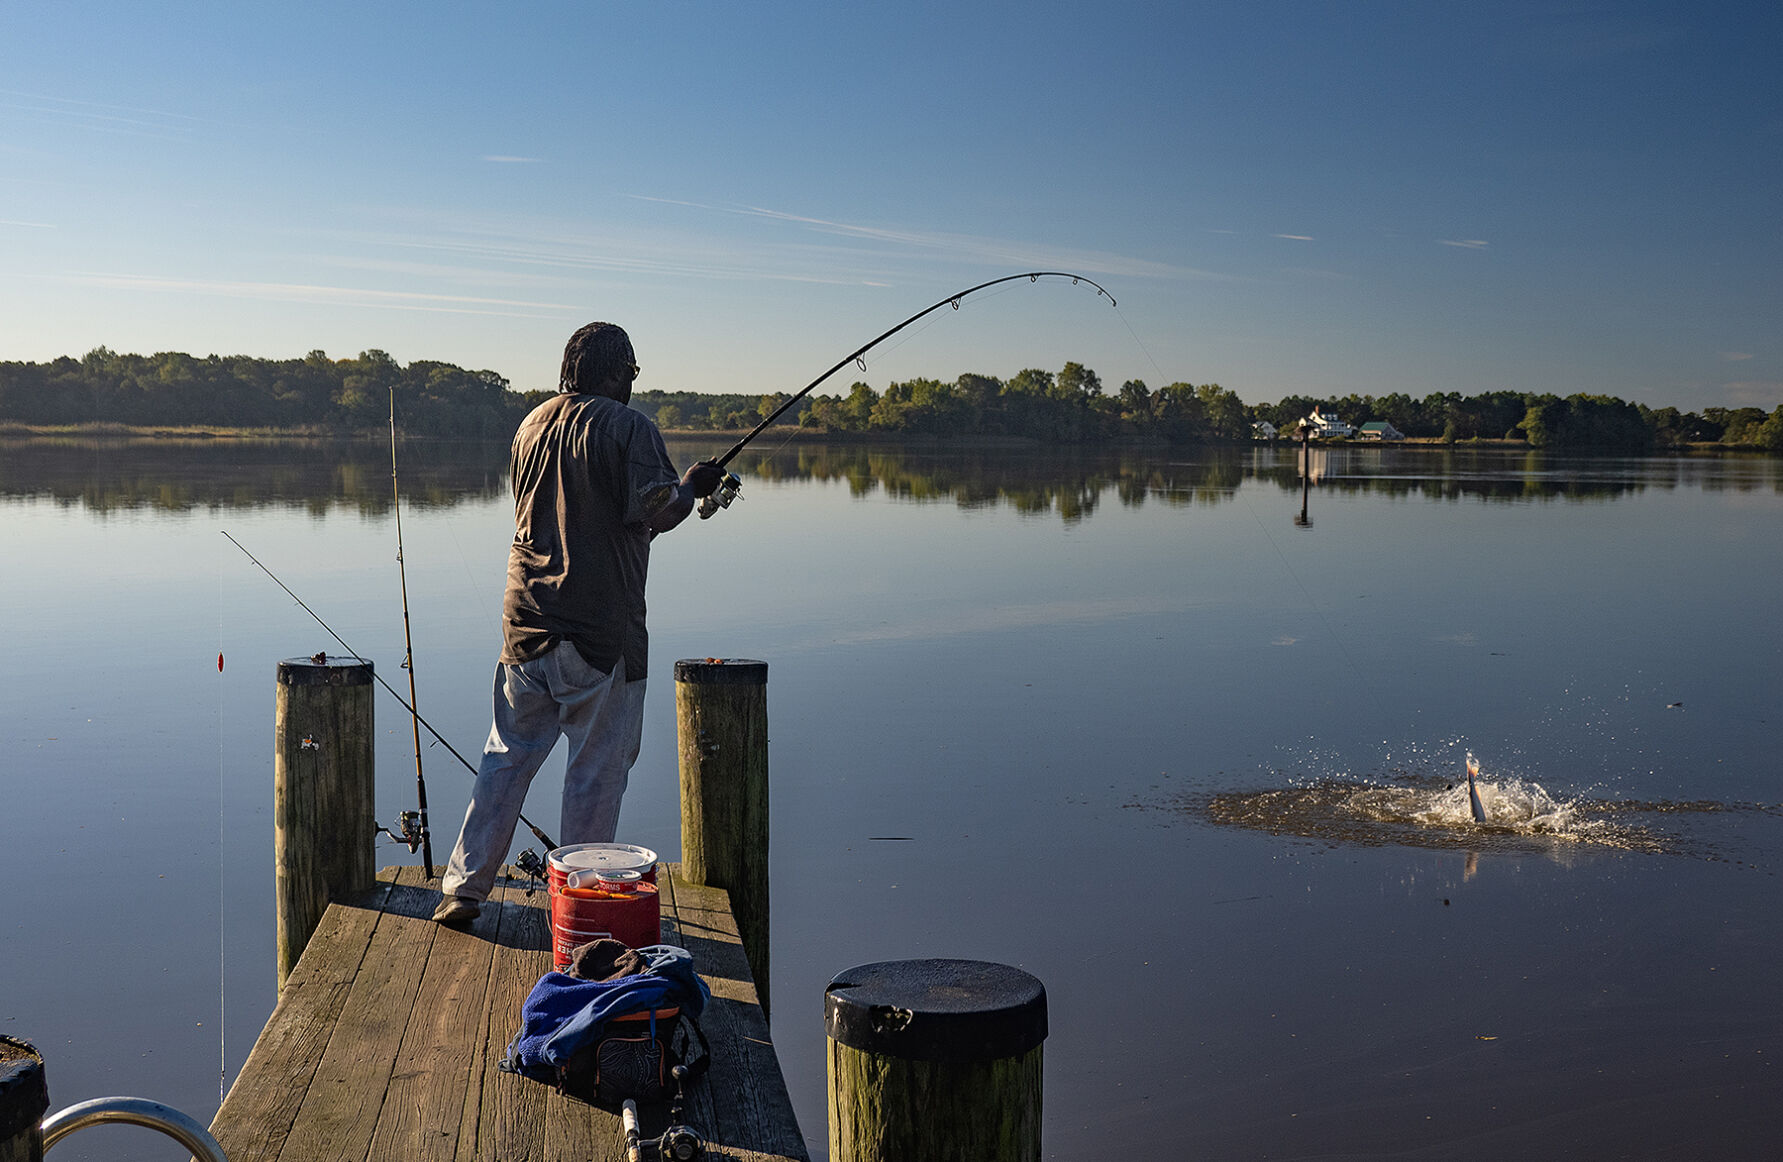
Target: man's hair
[{"x": 593, "y": 353}]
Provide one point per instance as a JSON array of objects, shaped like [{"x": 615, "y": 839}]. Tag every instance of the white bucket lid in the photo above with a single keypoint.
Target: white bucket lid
[
  {"x": 631, "y": 879},
  {"x": 603, "y": 857}
]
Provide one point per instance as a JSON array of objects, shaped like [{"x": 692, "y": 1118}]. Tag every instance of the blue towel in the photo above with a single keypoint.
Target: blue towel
[{"x": 564, "y": 1013}]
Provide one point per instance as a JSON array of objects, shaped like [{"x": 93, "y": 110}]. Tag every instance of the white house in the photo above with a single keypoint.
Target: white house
[
  {"x": 1325, "y": 424},
  {"x": 1263, "y": 430},
  {"x": 1379, "y": 430}
]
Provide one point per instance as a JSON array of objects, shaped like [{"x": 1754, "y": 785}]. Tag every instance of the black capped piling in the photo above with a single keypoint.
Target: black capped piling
[
  {"x": 24, "y": 1098},
  {"x": 935, "y": 1059}
]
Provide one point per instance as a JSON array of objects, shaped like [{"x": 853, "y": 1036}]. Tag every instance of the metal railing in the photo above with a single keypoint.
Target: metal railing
[{"x": 135, "y": 1111}]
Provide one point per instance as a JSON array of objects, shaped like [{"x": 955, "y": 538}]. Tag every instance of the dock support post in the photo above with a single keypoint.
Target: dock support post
[
  {"x": 24, "y": 1098},
  {"x": 324, "y": 812},
  {"x": 934, "y": 1059},
  {"x": 721, "y": 722}
]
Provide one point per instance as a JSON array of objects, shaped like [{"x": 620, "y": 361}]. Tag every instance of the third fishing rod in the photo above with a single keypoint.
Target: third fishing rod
[{"x": 730, "y": 486}]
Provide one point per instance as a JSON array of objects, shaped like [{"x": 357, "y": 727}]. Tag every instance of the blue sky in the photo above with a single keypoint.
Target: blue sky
[{"x": 1308, "y": 198}]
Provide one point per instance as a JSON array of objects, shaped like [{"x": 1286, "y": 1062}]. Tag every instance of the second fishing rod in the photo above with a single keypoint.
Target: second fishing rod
[{"x": 550, "y": 844}]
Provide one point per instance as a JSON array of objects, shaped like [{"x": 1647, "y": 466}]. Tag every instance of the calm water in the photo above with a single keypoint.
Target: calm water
[{"x": 1187, "y": 757}]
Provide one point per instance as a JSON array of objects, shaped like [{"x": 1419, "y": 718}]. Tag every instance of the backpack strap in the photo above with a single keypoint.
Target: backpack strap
[{"x": 697, "y": 1068}]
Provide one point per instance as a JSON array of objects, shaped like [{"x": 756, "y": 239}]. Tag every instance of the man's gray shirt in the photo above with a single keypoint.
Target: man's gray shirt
[{"x": 587, "y": 473}]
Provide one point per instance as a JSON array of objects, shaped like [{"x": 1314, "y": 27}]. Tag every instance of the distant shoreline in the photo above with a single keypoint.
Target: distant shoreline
[{"x": 773, "y": 437}]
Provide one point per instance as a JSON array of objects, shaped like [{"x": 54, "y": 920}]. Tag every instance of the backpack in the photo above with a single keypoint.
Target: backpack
[
  {"x": 608, "y": 1040},
  {"x": 634, "y": 1057}
]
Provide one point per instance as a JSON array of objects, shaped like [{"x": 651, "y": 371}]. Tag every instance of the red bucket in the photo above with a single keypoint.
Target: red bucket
[{"x": 625, "y": 909}]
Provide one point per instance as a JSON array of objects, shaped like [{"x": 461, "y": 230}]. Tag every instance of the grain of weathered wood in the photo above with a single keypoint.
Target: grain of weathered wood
[
  {"x": 721, "y": 727},
  {"x": 888, "y": 1109},
  {"x": 322, "y": 794},
  {"x": 424, "y": 1106},
  {"x": 508, "y": 908},
  {"x": 511, "y": 1114},
  {"x": 753, "y": 1121},
  {"x": 347, "y": 1093},
  {"x": 257, "y": 1114}
]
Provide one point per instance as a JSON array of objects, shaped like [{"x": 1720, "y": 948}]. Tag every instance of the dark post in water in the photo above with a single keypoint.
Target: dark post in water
[
  {"x": 324, "y": 813},
  {"x": 24, "y": 1097},
  {"x": 935, "y": 1059},
  {"x": 721, "y": 721}
]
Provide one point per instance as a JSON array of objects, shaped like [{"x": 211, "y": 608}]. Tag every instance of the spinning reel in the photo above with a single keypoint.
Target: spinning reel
[
  {"x": 678, "y": 1143},
  {"x": 529, "y": 862},
  {"x": 408, "y": 830},
  {"x": 728, "y": 490}
]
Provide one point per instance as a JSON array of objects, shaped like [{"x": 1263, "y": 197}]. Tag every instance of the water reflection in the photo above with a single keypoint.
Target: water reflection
[
  {"x": 176, "y": 475},
  {"x": 179, "y": 474}
]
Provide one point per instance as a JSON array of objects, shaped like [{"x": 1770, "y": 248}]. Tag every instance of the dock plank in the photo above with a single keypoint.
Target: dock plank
[
  {"x": 753, "y": 1122},
  {"x": 510, "y": 1110},
  {"x": 423, "y": 1111},
  {"x": 257, "y": 1113},
  {"x": 348, "y": 1092},
  {"x": 387, "y": 1039}
]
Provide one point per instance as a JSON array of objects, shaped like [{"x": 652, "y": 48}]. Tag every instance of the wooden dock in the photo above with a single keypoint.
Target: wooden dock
[{"x": 386, "y": 1036}]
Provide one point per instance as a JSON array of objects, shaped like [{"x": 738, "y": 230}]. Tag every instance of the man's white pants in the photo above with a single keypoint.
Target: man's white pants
[{"x": 601, "y": 714}]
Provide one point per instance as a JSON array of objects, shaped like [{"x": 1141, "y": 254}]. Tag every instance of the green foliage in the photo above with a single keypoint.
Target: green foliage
[
  {"x": 1585, "y": 421},
  {"x": 314, "y": 393},
  {"x": 713, "y": 411}
]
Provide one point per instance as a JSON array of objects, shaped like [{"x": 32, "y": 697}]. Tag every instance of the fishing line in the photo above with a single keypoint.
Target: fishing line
[
  {"x": 1373, "y": 694},
  {"x": 222, "y": 860},
  {"x": 1140, "y": 343},
  {"x": 1238, "y": 494},
  {"x": 549, "y": 843}
]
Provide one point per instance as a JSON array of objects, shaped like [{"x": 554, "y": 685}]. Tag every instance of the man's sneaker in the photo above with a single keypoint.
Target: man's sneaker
[{"x": 456, "y": 910}]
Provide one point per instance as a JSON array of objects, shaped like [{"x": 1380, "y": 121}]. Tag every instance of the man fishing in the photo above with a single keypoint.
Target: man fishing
[{"x": 592, "y": 485}]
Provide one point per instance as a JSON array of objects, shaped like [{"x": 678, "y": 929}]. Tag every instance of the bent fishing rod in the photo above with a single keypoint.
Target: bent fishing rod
[
  {"x": 730, "y": 486},
  {"x": 408, "y": 651},
  {"x": 550, "y": 844}
]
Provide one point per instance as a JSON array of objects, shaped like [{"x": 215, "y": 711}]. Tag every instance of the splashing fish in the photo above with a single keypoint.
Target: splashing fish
[{"x": 1473, "y": 794}]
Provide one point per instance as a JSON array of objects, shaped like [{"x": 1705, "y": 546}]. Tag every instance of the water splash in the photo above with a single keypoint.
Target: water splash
[{"x": 1415, "y": 810}]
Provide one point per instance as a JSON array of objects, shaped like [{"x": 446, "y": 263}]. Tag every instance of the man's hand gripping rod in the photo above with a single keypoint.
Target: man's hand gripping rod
[{"x": 730, "y": 487}]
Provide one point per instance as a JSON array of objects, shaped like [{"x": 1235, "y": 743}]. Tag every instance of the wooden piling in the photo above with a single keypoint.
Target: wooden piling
[
  {"x": 24, "y": 1098},
  {"x": 324, "y": 814},
  {"x": 935, "y": 1059},
  {"x": 721, "y": 719}
]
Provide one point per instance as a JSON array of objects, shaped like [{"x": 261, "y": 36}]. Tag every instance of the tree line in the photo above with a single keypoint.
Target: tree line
[
  {"x": 321, "y": 395},
  {"x": 314, "y": 394},
  {"x": 1072, "y": 406}
]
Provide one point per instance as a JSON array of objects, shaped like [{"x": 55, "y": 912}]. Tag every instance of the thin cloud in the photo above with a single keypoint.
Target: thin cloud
[
  {"x": 324, "y": 295},
  {"x": 999, "y": 250},
  {"x": 1736, "y": 356},
  {"x": 29, "y": 225},
  {"x": 1755, "y": 393},
  {"x": 572, "y": 254},
  {"x": 1464, "y": 243},
  {"x": 1295, "y": 237},
  {"x": 96, "y": 116}
]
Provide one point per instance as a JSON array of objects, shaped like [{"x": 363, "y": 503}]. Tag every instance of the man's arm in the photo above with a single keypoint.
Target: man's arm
[{"x": 699, "y": 480}]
